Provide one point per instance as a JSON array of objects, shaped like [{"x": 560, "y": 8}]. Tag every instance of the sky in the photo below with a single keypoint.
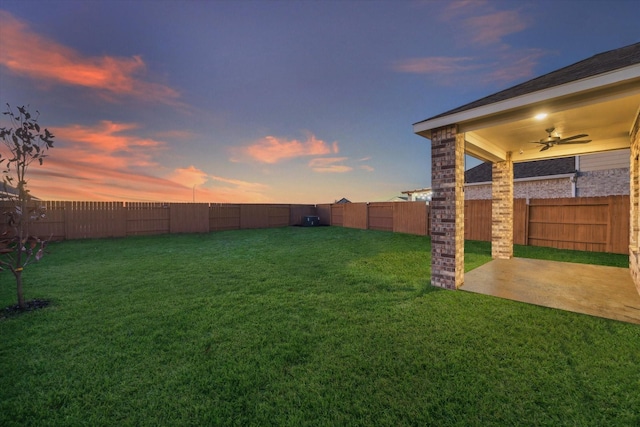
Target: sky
[{"x": 270, "y": 101}]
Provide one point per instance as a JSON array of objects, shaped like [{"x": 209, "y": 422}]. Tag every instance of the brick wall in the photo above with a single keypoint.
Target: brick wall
[
  {"x": 612, "y": 182},
  {"x": 477, "y": 192},
  {"x": 545, "y": 189},
  {"x": 447, "y": 208},
  {"x": 502, "y": 210}
]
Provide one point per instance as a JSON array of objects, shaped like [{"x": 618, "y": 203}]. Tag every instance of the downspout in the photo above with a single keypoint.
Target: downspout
[{"x": 574, "y": 178}]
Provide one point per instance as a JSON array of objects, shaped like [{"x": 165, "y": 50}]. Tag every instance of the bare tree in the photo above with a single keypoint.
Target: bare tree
[{"x": 25, "y": 143}]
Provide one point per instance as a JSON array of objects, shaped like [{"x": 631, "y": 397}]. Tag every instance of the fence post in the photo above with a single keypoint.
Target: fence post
[
  {"x": 526, "y": 223},
  {"x": 609, "y": 219}
]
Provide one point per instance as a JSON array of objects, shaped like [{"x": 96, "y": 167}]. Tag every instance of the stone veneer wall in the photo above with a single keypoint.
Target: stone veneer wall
[
  {"x": 447, "y": 208},
  {"x": 612, "y": 182},
  {"x": 502, "y": 210},
  {"x": 634, "y": 227}
]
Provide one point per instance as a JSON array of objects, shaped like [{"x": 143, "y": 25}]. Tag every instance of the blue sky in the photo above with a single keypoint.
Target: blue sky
[{"x": 271, "y": 101}]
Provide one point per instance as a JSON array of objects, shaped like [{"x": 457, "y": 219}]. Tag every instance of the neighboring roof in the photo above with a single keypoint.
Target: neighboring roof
[
  {"x": 598, "y": 64},
  {"x": 343, "y": 200},
  {"x": 420, "y": 190},
  {"x": 537, "y": 168},
  {"x": 8, "y": 191}
]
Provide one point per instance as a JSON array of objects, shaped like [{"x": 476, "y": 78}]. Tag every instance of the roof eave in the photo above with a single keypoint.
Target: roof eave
[{"x": 620, "y": 77}]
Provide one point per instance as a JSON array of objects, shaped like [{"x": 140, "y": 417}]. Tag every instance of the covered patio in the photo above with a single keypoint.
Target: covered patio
[
  {"x": 595, "y": 290},
  {"x": 595, "y": 100}
]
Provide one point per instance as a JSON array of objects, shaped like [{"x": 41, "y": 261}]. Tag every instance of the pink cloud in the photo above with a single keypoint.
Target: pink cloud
[
  {"x": 189, "y": 176},
  {"x": 27, "y": 53},
  {"x": 64, "y": 178},
  {"x": 434, "y": 65},
  {"x": 241, "y": 185},
  {"x": 329, "y": 165},
  {"x": 367, "y": 168},
  {"x": 107, "y": 136},
  {"x": 60, "y": 179},
  {"x": 106, "y": 143},
  {"x": 110, "y": 161},
  {"x": 271, "y": 149},
  {"x": 491, "y": 28}
]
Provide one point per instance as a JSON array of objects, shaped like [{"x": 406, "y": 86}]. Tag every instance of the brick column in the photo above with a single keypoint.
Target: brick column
[
  {"x": 634, "y": 218},
  {"x": 502, "y": 209},
  {"x": 447, "y": 208}
]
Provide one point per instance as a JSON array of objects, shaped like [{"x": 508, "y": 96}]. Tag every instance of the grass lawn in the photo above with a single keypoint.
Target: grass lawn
[{"x": 299, "y": 326}]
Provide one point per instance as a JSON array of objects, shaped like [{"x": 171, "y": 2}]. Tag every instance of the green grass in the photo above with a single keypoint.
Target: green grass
[{"x": 298, "y": 326}]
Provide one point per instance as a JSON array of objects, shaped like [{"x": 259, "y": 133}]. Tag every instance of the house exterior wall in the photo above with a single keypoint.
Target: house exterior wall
[
  {"x": 544, "y": 189},
  {"x": 420, "y": 196},
  {"x": 617, "y": 159},
  {"x": 609, "y": 182}
]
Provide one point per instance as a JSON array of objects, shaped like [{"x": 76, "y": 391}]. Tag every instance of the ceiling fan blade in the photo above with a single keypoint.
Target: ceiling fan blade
[
  {"x": 571, "y": 138},
  {"x": 574, "y": 142},
  {"x": 546, "y": 147}
]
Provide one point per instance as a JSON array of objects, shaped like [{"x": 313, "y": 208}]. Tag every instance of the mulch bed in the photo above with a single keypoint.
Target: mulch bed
[{"x": 34, "y": 304}]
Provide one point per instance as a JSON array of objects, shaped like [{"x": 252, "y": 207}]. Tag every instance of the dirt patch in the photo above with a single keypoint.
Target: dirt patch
[{"x": 31, "y": 305}]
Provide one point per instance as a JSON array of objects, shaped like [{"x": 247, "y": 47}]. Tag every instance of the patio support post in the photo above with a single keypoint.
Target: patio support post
[
  {"x": 502, "y": 209},
  {"x": 634, "y": 193},
  {"x": 447, "y": 207}
]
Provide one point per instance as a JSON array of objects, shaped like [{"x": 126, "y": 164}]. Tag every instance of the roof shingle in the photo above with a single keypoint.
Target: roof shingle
[{"x": 550, "y": 167}]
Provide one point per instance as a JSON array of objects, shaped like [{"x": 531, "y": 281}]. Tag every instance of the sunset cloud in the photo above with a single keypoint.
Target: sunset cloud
[
  {"x": 491, "y": 28},
  {"x": 480, "y": 23},
  {"x": 271, "y": 149},
  {"x": 116, "y": 161},
  {"x": 29, "y": 54},
  {"x": 435, "y": 65},
  {"x": 63, "y": 179},
  {"x": 243, "y": 186},
  {"x": 365, "y": 167},
  {"x": 189, "y": 176},
  {"x": 484, "y": 27},
  {"x": 192, "y": 177},
  {"x": 329, "y": 165},
  {"x": 108, "y": 144},
  {"x": 508, "y": 66}
]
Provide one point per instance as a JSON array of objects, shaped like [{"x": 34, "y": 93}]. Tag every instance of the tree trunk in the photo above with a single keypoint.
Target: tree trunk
[{"x": 19, "y": 288}]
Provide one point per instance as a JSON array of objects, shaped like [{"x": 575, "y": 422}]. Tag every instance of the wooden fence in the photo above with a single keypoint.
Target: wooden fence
[
  {"x": 598, "y": 224},
  {"x": 94, "y": 220},
  {"x": 399, "y": 217}
]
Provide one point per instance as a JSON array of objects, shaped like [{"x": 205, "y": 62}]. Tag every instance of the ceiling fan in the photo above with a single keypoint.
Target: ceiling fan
[{"x": 550, "y": 141}]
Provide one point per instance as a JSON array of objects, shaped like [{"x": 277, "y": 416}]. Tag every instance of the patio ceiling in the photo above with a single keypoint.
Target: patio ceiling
[{"x": 604, "y": 107}]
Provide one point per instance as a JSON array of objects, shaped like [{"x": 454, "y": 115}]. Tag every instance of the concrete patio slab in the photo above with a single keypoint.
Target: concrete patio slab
[{"x": 600, "y": 291}]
